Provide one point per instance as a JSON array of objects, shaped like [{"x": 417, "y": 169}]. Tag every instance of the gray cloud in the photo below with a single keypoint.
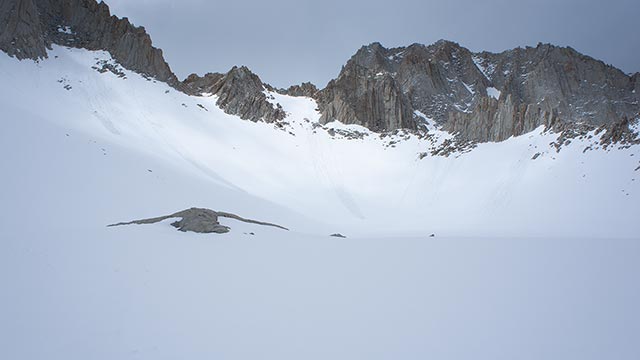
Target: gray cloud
[{"x": 289, "y": 41}]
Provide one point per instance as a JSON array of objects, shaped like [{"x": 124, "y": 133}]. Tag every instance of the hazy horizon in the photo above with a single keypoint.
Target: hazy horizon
[{"x": 286, "y": 42}]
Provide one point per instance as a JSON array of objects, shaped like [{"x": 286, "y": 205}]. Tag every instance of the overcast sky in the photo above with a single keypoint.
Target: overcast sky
[{"x": 291, "y": 41}]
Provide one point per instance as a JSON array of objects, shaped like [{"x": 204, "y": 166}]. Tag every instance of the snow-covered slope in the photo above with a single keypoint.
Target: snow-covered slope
[
  {"x": 83, "y": 149},
  {"x": 366, "y": 185}
]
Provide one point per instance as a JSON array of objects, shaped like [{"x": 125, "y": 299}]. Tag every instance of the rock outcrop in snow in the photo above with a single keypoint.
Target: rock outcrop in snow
[{"x": 198, "y": 220}]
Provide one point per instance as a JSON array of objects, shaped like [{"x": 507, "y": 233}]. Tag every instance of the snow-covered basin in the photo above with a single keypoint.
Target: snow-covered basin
[
  {"x": 547, "y": 267},
  {"x": 75, "y": 289}
]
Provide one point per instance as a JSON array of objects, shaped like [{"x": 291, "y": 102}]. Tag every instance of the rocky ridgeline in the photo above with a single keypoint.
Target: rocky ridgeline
[
  {"x": 29, "y": 27},
  {"x": 477, "y": 96}
]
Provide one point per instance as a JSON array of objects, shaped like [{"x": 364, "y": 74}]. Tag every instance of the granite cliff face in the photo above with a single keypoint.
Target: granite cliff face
[
  {"x": 545, "y": 85},
  {"x": 479, "y": 96},
  {"x": 433, "y": 80},
  {"x": 31, "y": 26},
  {"x": 240, "y": 92},
  {"x": 366, "y": 95},
  {"x": 21, "y": 34}
]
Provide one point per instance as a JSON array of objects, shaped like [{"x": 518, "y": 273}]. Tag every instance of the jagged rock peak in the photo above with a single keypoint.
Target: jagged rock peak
[
  {"x": 383, "y": 87},
  {"x": 244, "y": 74},
  {"x": 32, "y": 26},
  {"x": 376, "y": 57},
  {"x": 373, "y": 57},
  {"x": 239, "y": 91}
]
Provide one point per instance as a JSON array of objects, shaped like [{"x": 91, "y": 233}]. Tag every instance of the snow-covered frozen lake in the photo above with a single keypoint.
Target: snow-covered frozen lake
[{"x": 149, "y": 292}]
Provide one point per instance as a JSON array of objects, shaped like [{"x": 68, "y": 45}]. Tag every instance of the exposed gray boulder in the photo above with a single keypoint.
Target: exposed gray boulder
[
  {"x": 240, "y": 92},
  {"x": 198, "y": 220}
]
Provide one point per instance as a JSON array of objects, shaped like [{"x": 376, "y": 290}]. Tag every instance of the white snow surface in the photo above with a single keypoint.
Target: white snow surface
[
  {"x": 486, "y": 71},
  {"x": 493, "y": 92},
  {"x": 469, "y": 88},
  {"x": 532, "y": 259},
  {"x": 430, "y": 124}
]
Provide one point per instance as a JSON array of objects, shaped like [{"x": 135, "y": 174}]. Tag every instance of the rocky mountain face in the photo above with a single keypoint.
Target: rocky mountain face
[
  {"x": 367, "y": 94},
  {"x": 480, "y": 96},
  {"x": 240, "y": 92},
  {"x": 31, "y": 26},
  {"x": 545, "y": 85},
  {"x": 399, "y": 81},
  {"x": 21, "y": 34}
]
